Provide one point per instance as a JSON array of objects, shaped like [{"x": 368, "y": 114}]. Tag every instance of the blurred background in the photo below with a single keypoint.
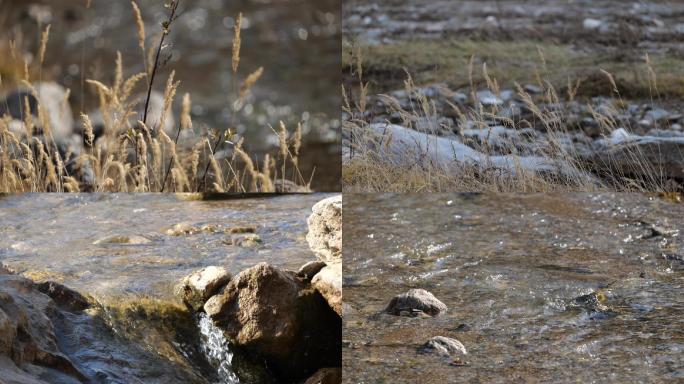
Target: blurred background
[{"x": 296, "y": 41}]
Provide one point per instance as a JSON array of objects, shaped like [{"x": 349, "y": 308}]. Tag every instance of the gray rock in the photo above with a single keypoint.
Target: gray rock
[
  {"x": 444, "y": 346},
  {"x": 488, "y": 98},
  {"x": 196, "y": 288},
  {"x": 414, "y": 302},
  {"x": 325, "y": 229}
]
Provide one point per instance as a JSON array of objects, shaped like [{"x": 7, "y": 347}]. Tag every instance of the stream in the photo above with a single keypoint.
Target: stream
[
  {"x": 514, "y": 271},
  {"x": 125, "y": 251}
]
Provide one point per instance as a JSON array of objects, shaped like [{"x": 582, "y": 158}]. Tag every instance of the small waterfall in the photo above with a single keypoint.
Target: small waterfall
[{"x": 217, "y": 350}]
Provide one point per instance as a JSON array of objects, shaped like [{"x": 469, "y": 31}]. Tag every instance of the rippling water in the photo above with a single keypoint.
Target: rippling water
[
  {"x": 65, "y": 238},
  {"x": 509, "y": 267}
]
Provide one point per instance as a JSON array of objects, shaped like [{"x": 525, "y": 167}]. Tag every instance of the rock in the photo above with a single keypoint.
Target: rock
[
  {"x": 310, "y": 269},
  {"x": 532, "y": 89},
  {"x": 287, "y": 186},
  {"x": 282, "y": 319},
  {"x": 488, "y": 98},
  {"x": 123, "y": 239},
  {"x": 642, "y": 157},
  {"x": 326, "y": 376},
  {"x": 52, "y": 97},
  {"x": 329, "y": 283},
  {"x": 325, "y": 229},
  {"x": 196, "y": 288},
  {"x": 414, "y": 302},
  {"x": 444, "y": 346},
  {"x": 183, "y": 228},
  {"x": 592, "y": 24},
  {"x": 247, "y": 240},
  {"x": 64, "y": 297},
  {"x": 27, "y": 334}
]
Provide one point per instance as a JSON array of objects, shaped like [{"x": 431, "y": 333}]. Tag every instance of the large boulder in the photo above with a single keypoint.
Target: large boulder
[
  {"x": 325, "y": 229},
  {"x": 329, "y": 283},
  {"x": 275, "y": 315},
  {"x": 415, "y": 302},
  {"x": 196, "y": 288}
]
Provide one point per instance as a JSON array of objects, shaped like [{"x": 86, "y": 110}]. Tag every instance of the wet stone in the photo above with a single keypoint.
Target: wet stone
[
  {"x": 444, "y": 346},
  {"x": 414, "y": 302}
]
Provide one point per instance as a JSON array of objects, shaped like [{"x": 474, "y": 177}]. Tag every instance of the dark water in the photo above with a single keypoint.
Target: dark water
[
  {"x": 509, "y": 268},
  {"x": 138, "y": 333}
]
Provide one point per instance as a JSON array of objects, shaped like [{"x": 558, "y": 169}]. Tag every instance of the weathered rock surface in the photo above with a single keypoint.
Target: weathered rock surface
[
  {"x": 444, "y": 346},
  {"x": 64, "y": 297},
  {"x": 325, "y": 229},
  {"x": 279, "y": 317},
  {"x": 28, "y": 344},
  {"x": 329, "y": 283},
  {"x": 196, "y": 288},
  {"x": 326, "y": 376},
  {"x": 414, "y": 302}
]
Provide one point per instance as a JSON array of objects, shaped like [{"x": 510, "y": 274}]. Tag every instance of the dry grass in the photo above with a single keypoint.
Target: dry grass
[
  {"x": 366, "y": 167},
  {"x": 130, "y": 155}
]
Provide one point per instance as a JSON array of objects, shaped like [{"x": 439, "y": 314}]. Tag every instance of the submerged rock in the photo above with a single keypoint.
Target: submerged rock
[
  {"x": 444, "y": 346},
  {"x": 414, "y": 302},
  {"x": 274, "y": 314},
  {"x": 198, "y": 287},
  {"x": 329, "y": 283},
  {"x": 123, "y": 239},
  {"x": 325, "y": 229}
]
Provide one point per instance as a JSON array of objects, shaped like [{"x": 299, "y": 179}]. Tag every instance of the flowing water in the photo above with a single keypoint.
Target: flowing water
[
  {"x": 117, "y": 248},
  {"x": 513, "y": 270}
]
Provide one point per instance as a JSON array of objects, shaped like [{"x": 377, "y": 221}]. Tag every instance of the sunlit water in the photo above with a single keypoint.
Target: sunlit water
[
  {"x": 509, "y": 268},
  {"x": 58, "y": 237}
]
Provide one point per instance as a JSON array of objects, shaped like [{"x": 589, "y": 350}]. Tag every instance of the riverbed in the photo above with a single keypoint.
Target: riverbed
[{"x": 511, "y": 268}]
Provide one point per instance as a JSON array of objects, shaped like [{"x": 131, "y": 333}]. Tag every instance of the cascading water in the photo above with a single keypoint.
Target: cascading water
[{"x": 217, "y": 350}]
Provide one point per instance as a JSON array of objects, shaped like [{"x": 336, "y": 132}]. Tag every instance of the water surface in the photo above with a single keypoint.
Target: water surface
[{"x": 509, "y": 267}]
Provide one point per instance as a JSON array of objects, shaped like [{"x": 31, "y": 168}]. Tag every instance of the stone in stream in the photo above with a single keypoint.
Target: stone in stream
[
  {"x": 325, "y": 229},
  {"x": 123, "y": 239},
  {"x": 414, "y": 302},
  {"x": 277, "y": 316},
  {"x": 196, "y": 288},
  {"x": 329, "y": 283},
  {"x": 444, "y": 346}
]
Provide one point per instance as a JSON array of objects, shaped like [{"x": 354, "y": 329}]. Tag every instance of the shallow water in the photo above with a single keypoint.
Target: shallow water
[
  {"x": 59, "y": 237},
  {"x": 509, "y": 268}
]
